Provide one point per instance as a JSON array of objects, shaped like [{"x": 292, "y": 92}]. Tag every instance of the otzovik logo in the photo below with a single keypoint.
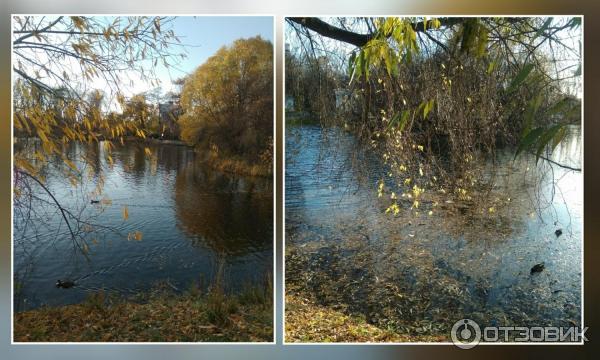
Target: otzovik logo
[{"x": 467, "y": 334}]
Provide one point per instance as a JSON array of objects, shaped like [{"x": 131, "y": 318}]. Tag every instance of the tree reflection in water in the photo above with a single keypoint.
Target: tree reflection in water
[{"x": 231, "y": 215}]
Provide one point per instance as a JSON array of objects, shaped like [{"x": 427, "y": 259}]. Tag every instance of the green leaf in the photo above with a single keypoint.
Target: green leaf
[
  {"x": 401, "y": 119},
  {"x": 365, "y": 61},
  {"x": 428, "y": 107},
  {"x": 575, "y": 22},
  {"x": 389, "y": 61},
  {"x": 559, "y": 107},
  {"x": 568, "y": 107},
  {"x": 351, "y": 63},
  {"x": 545, "y": 139},
  {"x": 543, "y": 28},
  {"x": 532, "y": 107},
  {"x": 529, "y": 140},
  {"x": 482, "y": 41},
  {"x": 357, "y": 64},
  {"x": 394, "y": 120},
  {"x": 491, "y": 67},
  {"x": 520, "y": 77},
  {"x": 573, "y": 113},
  {"x": 468, "y": 33},
  {"x": 421, "y": 107},
  {"x": 560, "y": 135}
]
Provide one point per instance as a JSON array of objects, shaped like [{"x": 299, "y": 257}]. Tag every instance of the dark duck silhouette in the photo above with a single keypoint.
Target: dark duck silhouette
[
  {"x": 95, "y": 202},
  {"x": 558, "y": 232},
  {"x": 537, "y": 268},
  {"x": 64, "y": 284}
]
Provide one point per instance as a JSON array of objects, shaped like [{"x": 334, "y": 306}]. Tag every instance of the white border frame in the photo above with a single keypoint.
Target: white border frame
[
  {"x": 274, "y": 187},
  {"x": 582, "y": 184}
]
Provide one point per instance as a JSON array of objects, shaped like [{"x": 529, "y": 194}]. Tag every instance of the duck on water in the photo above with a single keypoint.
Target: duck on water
[
  {"x": 64, "y": 284},
  {"x": 538, "y": 268}
]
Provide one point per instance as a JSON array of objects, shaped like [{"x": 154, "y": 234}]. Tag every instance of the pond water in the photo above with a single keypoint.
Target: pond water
[
  {"x": 419, "y": 274},
  {"x": 194, "y": 224}
]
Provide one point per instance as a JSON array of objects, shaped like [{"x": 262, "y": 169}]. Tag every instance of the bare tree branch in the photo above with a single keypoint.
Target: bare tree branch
[{"x": 323, "y": 28}]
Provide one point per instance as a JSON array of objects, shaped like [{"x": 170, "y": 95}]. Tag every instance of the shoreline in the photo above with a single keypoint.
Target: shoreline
[
  {"x": 165, "y": 317},
  {"x": 238, "y": 167}
]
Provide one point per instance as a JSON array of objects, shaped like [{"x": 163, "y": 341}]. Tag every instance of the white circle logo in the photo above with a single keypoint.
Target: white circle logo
[{"x": 466, "y": 334}]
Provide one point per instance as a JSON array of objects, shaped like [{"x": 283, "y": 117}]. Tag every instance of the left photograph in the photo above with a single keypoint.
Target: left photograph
[{"x": 142, "y": 178}]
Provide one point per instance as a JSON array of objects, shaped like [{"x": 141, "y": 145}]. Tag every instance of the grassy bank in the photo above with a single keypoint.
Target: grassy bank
[
  {"x": 164, "y": 317},
  {"x": 308, "y": 322},
  {"x": 335, "y": 293},
  {"x": 239, "y": 166}
]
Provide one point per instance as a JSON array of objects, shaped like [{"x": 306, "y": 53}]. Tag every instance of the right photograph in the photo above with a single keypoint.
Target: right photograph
[{"x": 433, "y": 179}]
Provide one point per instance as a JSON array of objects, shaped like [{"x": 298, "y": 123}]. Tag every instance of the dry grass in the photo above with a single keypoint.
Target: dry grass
[
  {"x": 240, "y": 167},
  {"x": 307, "y": 322},
  {"x": 164, "y": 318}
]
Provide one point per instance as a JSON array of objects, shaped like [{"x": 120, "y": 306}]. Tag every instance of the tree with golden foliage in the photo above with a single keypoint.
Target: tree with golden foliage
[{"x": 228, "y": 104}]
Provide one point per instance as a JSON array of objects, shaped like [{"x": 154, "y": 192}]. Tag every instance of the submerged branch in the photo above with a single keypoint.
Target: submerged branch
[
  {"x": 63, "y": 211},
  {"x": 559, "y": 164}
]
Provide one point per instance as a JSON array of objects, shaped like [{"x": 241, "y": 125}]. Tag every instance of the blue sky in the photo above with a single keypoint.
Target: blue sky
[
  {"x": 207, "y": 34},
  {"x": 201, "y": 37}
]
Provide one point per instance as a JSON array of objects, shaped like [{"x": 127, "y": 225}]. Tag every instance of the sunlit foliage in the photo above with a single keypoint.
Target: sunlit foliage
[
  {"x": 59, "y": 63},
  {"x": 228, "y": 103},
  {"x": 434, "y": 96}
]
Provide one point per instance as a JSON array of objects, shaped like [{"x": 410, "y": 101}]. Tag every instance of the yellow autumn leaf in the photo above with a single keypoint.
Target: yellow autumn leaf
[
  {"x": 125, "y": 213},
  {"x": 70, "y": 164}
]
